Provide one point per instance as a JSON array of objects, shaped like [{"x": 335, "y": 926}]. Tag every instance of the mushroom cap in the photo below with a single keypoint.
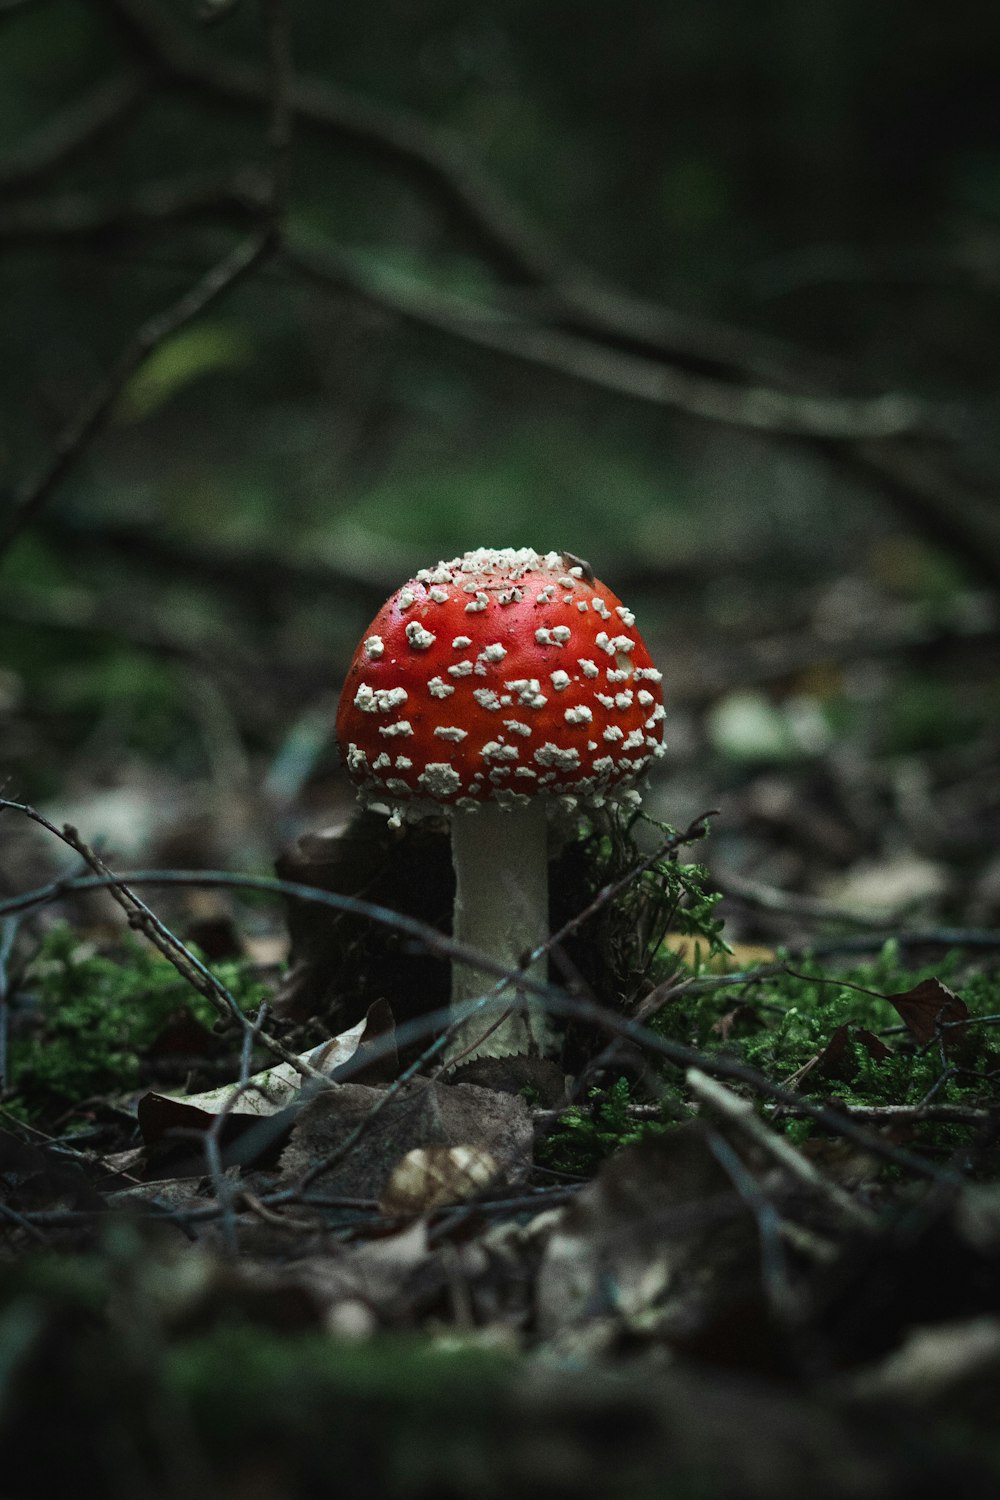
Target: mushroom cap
[{"x": 495, "y": 677}]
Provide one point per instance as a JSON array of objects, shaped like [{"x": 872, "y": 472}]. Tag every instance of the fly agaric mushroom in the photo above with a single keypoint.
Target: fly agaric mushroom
[{"x": 492, "y": 687}]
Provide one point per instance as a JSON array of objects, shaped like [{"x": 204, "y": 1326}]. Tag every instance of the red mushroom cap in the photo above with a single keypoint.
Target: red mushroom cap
[{"x": 496, "y": 676}]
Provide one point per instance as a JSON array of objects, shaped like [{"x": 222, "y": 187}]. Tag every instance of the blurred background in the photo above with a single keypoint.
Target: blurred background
[{"x": 298, "y": 298}]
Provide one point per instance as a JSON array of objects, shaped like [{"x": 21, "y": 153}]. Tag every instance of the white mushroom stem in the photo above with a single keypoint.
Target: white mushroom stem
[{"x": 501, "y": 907}]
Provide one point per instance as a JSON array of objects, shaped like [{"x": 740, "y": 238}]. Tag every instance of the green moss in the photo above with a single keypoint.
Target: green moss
[
  {"x": 90, "y": 1017},
  {"x": 586, "y": 1134},
  {"x": 784, "y": 1022}
]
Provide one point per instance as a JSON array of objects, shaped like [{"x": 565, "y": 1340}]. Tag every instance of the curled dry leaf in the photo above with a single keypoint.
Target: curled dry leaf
[
  {"x": 265, "y": 1094},
  {"x": 431, "y": 1176}
]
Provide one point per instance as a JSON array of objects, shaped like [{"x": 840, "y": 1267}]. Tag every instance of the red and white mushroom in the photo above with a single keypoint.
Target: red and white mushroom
[{"x": 490, "y": 687}]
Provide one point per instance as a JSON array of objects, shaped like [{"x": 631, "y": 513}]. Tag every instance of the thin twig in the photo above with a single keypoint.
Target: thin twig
[
  {"x": 915, "y": 1114},
  {"x": 551, "y": 999},
  {"x": 739, "y": 1112},
  {"x": 187, "y": 964},
  {"x": 773, "y": 1257},
  {"x": 696, "y": 829}
]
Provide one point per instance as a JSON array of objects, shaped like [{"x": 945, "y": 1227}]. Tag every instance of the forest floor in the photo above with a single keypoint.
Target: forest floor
[{"x": 741, "y": 1238}]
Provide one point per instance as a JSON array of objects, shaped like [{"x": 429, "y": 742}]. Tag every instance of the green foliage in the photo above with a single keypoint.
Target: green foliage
[
  {"x": 203, "y": 349},
  {"x": 926, "y": 714},
  {"x": 616, "y": 949},
  {"x": 784, "y": 1022},
  {"x": 586, "y": 1134},
  {"x": 93, "y": 1016}
]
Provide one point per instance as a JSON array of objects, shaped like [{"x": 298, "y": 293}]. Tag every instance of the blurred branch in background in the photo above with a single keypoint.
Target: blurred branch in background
[
  {"x": 562, "y": 320},
  {"x": 83, "y": 128},
  {"x": 92, "y": 415}
]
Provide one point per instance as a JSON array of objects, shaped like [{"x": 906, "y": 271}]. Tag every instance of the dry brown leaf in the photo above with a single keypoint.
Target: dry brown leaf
[
  {"x": 263, "y": 1095},
  {"x": 836, "y": 1059},
  {"x": 928, "y": 1007}
]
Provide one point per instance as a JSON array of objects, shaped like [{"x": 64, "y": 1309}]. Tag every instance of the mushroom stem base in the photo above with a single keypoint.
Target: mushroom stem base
[{"x": 501, "y": 907}]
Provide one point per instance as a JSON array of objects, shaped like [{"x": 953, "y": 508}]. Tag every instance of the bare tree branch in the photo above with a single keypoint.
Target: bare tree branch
[
  {"x": 174, "y": 200},
  {"x": 593, "y": 332},
  {"x": 96, "y": 408},
  {"x": 75, "y": 130},
  {"x": 398, "y": 139},
  {"x": 755, "y": 408},
  {"x": 94, "y": 411}
]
